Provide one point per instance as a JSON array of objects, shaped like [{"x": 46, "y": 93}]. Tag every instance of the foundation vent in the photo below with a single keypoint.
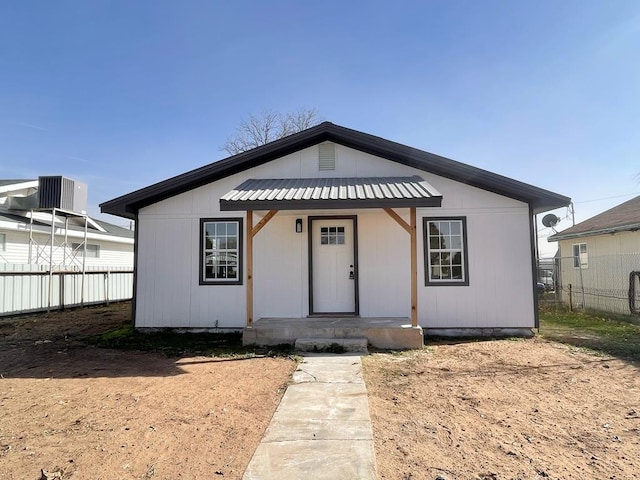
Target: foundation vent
[{"x": 327, "y": 156}]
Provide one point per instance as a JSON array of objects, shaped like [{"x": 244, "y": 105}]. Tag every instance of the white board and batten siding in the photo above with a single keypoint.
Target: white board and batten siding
[{"x": 498, "y": 236}]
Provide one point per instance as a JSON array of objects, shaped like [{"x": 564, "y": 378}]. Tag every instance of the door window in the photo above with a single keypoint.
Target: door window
[{"x": 331, "y": 235}]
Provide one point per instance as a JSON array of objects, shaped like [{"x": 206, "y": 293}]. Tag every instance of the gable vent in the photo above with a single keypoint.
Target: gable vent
[{"x": 327, "y": 156}]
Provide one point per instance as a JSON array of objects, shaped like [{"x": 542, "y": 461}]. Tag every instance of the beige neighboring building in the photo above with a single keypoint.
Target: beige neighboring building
[{"x": 597, "y": 258}]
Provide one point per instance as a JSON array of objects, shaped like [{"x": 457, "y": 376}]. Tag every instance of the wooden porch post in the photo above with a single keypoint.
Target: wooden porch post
[
  {"x": 411, "y": 229},
  {"x": 252, "y": 232},
  {"x": 414, "y": 268},
  {"x": 249, "y": 268}
]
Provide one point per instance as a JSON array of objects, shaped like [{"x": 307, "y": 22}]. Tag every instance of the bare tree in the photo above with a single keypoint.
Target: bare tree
[{"x": 260, "y": 129}]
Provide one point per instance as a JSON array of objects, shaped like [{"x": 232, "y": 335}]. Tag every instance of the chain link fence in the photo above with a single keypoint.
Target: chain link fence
[{"x": 609, "y": 283}]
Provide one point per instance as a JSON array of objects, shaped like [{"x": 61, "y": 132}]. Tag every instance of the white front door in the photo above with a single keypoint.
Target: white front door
[{"x": 333, "y": 266}]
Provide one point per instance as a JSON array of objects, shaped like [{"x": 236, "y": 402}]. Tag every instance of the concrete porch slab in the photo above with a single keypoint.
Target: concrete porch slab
[{"x": 381, "y": 332}]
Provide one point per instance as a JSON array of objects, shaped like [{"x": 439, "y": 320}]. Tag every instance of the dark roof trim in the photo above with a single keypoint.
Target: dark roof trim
[
  {"x": 540, "y": 199},
  {"x": 590, "y": 233}
]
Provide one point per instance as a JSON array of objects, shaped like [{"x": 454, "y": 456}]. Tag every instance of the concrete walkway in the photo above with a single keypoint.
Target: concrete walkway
[{"x": 321, "y": 429}]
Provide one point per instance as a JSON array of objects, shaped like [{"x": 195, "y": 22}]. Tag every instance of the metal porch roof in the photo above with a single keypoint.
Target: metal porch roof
[{"x": 332, "y": 193}]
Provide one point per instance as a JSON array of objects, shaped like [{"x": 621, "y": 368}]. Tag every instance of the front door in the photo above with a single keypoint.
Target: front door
[{"x": 333, "y": 265}]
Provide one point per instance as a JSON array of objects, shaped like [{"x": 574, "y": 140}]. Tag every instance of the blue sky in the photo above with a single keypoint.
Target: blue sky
[{"x": 122, "y": 94}]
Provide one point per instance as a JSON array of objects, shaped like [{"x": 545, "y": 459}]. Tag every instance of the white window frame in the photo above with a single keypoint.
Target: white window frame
[
  {"x": 206, "y": 249},
  {"x": 93, "y": 250},
  {"x": 429, "y": 250},
  {"x": 581, "y": 256}
]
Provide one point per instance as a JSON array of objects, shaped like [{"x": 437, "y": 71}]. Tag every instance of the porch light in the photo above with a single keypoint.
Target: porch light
[{"x": 298, "y": 225}]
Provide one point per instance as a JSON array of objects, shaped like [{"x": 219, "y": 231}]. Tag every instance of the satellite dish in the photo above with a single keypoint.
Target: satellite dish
[{"x": 550, "y": 220}]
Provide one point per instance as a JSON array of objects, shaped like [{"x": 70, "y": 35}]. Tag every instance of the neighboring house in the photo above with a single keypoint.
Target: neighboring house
[
  {"x": 598, "y": 257},
  {"x": 52, "y": 254},
  {"x": 330, "y": 227},
  {"x": 26, "y": 232}
]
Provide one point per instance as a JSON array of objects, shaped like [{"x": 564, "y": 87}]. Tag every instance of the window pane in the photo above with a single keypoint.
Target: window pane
[
  {"x": 457, "y": 258},
  {"x": 324, "y": 241},
  {"x": 232, "y": 228},
  {"x": 456, "y": 228},
  {"x": 583, "y": 248},
  {"x": 456, "y": 242},
  {"x": 232, "y": 272},
  {"x": 435, "y": 273},
  {"x": 456, "y": 273},
  {"x": 444, "y": 228},
  {"x": 221, "y": 229}
]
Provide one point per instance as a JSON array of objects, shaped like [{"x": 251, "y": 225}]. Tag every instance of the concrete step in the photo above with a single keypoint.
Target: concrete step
[{"x": 335, "y": 345}]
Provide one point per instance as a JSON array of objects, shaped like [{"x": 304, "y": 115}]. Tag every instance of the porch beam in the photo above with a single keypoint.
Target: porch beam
[
  {"x": 270, "y": 214},
  {"x": 399, "y": 219},
  {"x": 414, "y": 268}
]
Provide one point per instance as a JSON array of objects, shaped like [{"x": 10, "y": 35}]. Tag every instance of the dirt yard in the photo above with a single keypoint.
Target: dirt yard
[
  {"x": 94, "y": 413},
  {"x": 527, "y": 409}
]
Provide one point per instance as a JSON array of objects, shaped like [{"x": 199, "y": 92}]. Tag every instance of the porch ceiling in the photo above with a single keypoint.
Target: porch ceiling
[{"x": 331, "y": 193}]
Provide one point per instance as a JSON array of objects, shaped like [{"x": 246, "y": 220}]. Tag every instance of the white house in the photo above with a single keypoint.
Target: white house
[
  {"x": 598, "y": 258},
  {"x": 334, "y": 232}
]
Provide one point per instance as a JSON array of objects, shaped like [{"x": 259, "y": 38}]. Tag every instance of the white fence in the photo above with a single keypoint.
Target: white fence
[{"x": 31, "y": 288}]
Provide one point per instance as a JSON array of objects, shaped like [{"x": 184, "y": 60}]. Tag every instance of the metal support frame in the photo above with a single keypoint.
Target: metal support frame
[{"x": 38, "y": 253}]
